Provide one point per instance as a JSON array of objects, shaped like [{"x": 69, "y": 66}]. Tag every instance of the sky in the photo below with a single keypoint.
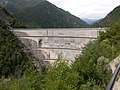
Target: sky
[{"x": 91, "y": 9}]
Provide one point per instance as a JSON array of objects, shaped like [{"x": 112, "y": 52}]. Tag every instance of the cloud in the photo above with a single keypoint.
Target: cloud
[{"x": 87, "y": 8}]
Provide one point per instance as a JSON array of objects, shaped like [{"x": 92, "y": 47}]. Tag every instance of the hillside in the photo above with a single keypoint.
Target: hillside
[
  {"x": 90, "y": 71},
  {"x": 4, "y": 15},
  {"x": 9, "y": 19},
  {"x": 13, "y": 60},
  {"x": 110, "y": 19},
  {"x": 15, "y": 57},
  {"x": 93, "y": 75},
  {"x": 43, "y": 14}
]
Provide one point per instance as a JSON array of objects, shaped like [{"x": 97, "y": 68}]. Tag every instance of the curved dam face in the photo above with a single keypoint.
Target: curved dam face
[{"x": 51, "y": 44}]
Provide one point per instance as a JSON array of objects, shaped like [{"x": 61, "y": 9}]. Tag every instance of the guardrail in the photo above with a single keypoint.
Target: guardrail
[
  {"x": 77, "y": 49},
  {"x": 89, "y": 37},
  {"x": 113, "y": 79}
]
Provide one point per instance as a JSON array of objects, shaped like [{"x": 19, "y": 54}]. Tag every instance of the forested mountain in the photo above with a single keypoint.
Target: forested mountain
[
  {"x": 4, "y": 14},
  {"x": 9, "y": 19},
  {"x": 15, "y": 58},
  {"x": 111, "y": 18},
  {"x": 90, "y": 71},
  {"x": 41, "y": 13},
  {"x": 12, "y": 58}
]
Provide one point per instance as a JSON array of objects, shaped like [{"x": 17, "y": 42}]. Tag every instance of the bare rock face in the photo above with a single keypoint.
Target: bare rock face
[{"x": 112, "y": 65}]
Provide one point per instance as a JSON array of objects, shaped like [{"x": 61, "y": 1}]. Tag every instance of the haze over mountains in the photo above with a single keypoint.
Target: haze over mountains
[
  {"x": 89, "y": 21},
  {"x": 110, "y": 19},
  {"x": 41, "y": 13}
]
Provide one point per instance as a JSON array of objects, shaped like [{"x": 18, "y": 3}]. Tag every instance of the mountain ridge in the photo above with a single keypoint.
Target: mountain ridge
[
  {"x": 110, "y": 19},
  {"x": 9, "y": 20},
  {"x": 89, "y": 21},
  {"x": 45, "y": 15}
]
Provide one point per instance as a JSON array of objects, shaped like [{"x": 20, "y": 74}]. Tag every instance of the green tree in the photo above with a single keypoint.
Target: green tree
[
  {"x": 13, "y": 60},
  {"x": 60, "y": 77},
  {"x": 112, "y": 35}
]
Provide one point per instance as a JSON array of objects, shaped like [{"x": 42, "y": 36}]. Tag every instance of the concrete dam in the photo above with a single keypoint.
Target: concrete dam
[{"x": 51, "y": 44}]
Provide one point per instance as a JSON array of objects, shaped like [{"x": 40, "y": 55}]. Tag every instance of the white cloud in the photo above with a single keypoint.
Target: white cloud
[{"x": 87, "y": 8}]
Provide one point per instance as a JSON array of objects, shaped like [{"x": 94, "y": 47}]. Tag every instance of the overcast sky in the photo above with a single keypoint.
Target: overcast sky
[{"x": 92, "y": 9}]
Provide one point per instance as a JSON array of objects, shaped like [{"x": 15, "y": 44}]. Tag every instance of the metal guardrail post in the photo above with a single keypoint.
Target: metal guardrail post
[{"x": 113, "y": 79}]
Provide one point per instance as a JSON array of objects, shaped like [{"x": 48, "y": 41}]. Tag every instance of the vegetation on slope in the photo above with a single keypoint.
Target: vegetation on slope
[
  {"x": 110, "y": 19},
  {"x": 88, "y": 72},
  {"x": 44, "y": 14},
  {"x": 13, "y": 60},
  {"x": 10, "y": 20},
  {"x": 12, "y": 4}
]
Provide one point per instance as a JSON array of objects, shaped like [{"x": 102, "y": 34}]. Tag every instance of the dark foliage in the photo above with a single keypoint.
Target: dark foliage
[{"x": 13, "y": 60}]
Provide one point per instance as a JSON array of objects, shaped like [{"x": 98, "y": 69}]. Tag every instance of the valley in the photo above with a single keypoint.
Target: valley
[{"x": 44, "y": 47}]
